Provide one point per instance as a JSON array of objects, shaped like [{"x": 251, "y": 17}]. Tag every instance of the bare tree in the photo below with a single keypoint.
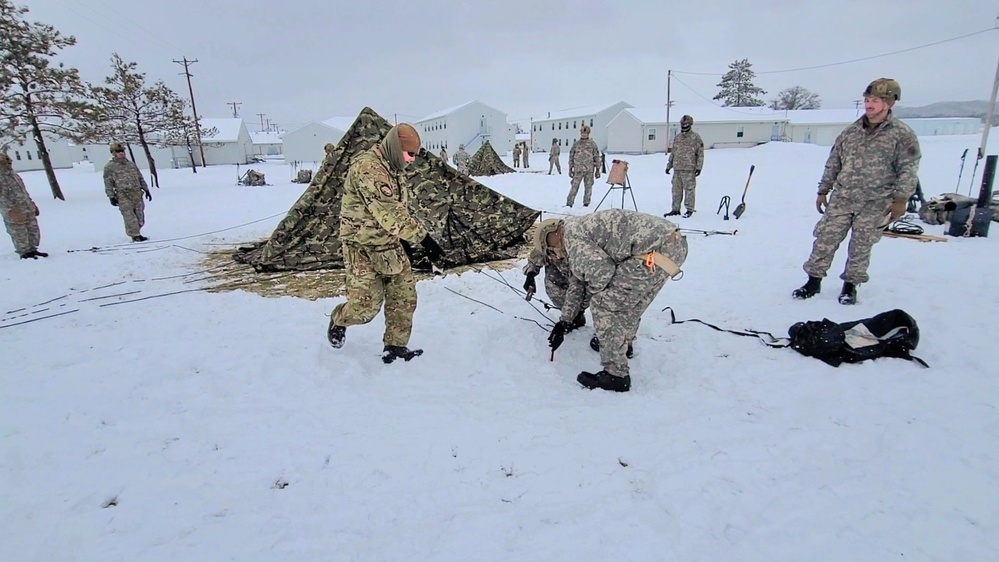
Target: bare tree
[
  {"x": 796, "y": 97},
  {"x": 38, "y": 98},
  {"x": 737, "y": 88}
]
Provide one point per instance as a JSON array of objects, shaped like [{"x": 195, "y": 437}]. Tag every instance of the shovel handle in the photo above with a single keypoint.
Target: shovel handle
[{"x": 746, "y": 189}]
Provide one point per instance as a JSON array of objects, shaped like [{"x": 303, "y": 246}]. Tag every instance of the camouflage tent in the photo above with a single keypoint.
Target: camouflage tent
[
  {"x": 471, "y": 222},
  {"x": 486, "y": 162}
]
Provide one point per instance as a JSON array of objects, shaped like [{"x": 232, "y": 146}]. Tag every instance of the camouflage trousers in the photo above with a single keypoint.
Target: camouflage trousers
[
  {"x": 133, "y": 210},
  {"x": 554, "y": 163},
  {"x": 684, "y": 184},
  {"x": 617, "y": 311},
  {"x": 24, "y": 234},
  {"x": 556, "y": 286},
  {"x": 463, "y": 168},
  {"x": 375, "y": 277},
  {"x": 865, "y": 219},
  {"x": 585, "y": 176},
  {"x": 526, "y": 164}
]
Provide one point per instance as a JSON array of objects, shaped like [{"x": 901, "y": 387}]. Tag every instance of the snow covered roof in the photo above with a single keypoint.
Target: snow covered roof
[
  {"x": 265, "y": 137},
  {"x": 705, "y": 114},
  {"x": 339, "y": 123},
  {"x": 582, "y": 111},
  {"x": 444, "y": 112},
  {"x": 821, "y": 116},
  {"x": 228, "y": 128}
]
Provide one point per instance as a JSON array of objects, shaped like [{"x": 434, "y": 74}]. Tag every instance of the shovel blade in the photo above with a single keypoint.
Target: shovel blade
[{"x": 739, "y": 210}]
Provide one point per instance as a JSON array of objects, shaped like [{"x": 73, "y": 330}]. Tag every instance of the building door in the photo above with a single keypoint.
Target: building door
[{"x": 775, "y": 132}]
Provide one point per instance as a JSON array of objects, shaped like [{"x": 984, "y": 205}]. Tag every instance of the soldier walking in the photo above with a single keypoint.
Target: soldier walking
[
  {"x": 461, "y": 159},
  {"x": 19, "y": 212},
  {"x": 623, "y": 258},
  {"x": 584, "y": 166},
  {"x": 871, "y": 172},
  {"x": 687, "y": 158},
  {"x": 553, "y": 156},
  {"x": 374, "y": 225},
  {"x": 125, "y": 186}
]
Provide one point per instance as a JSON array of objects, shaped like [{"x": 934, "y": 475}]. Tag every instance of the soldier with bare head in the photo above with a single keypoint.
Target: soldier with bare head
[
  {"x": 19, "y": 212},
  {"x": 125, "y": 186},
  {"x": 374, "y": 225}
]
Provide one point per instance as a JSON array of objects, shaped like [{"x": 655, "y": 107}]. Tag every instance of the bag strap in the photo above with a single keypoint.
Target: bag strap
[{"x": 767, "y": 338}]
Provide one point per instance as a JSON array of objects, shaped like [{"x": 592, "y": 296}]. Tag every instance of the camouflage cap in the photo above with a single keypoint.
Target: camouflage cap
[
  {"x": 686, "y": 120},
  {"x": 584, "y": 131},
  {"x": 5, "y": 162},
  {"x": 546, "y": 227},
  {"x": 116, "y": 146},
  {"x": 886, "y": 89}
]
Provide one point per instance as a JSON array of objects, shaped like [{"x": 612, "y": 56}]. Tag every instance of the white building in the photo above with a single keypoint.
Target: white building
[
  {"x": 266, "y": 143},
  {"x": 27, "y": 157},
  {"x": 822, "y": 126},
  {"x": 165, "y": 157},
  {"x": 307, "y": 143},
  {"x": 643, "y": 130},
  {"x": 564, "y": 125},
  {"x": 231, "y": 145},
  {"x": 469, "y": 124}
]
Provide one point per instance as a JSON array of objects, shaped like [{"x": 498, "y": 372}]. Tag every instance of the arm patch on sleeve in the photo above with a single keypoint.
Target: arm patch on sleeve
[{"x": 386, "y": 189}]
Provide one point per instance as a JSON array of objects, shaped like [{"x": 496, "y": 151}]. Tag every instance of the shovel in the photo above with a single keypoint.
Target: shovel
[{"x": 742, "y": 206}]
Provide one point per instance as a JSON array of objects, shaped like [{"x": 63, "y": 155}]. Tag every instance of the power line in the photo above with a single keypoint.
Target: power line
[
  {"x": 698, "y": 94},
  {"x": 851, "y": 61}
]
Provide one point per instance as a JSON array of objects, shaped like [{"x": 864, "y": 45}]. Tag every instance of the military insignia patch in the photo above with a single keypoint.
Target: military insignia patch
[{"x": 385, "y": 189}]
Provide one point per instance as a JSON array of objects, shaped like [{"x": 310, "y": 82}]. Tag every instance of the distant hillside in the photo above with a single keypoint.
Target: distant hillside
[{"x": 946, "y": 109}]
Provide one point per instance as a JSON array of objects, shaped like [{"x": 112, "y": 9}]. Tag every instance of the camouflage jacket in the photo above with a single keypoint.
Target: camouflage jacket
[
  {"x": 558, "y": 270},
  {"x": 598, "y": 242},
  {"x": 584, "y": 156},
  {"x": 14, "y": 199},
  {"x": 873, "y": 164},
  {"x": 687, "y": 154},
  {"x": 461, "y": 158},
  {"x": 554, "y": 154},
  {"x": 123, "y": 178},
  {"x": 373, "y": 212}
]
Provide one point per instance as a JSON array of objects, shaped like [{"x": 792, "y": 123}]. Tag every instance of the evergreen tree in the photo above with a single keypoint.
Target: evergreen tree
[
  {"x": 737, "y": 88},
  {"x": 39, "y": 99},
  {"x": 796, "y": 97}
]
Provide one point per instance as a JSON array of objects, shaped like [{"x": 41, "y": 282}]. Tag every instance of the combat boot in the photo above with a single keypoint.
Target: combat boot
[
  {"x": 809, "y": 289},
  {"x": 139, "y": 238},
  {"x": 605, "y": 381},
  {"x": 393, "y": 352},
  {"x": 336, "y": 334},
  {"x": 688, "y": 214},
  {"x": 29, "y": 255},
  {"x": 672, "y": 214},
  {"x": 849, "y": 294},
  {"x": 579, "y": 321},
  {"x": 595, "y": 346}
]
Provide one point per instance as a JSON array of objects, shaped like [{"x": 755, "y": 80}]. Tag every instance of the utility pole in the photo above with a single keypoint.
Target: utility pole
[
  {"x": 669, "y": 102},
  {"x": 197, "y": 123},
  {"x": 268, "y": 125},
  {"x": 235, "y": 104},
  {"x": 989, "y": 118},
  {"x": 261, "y": 115}
]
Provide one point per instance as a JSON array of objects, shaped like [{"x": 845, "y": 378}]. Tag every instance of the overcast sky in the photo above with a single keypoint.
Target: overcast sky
[{"x": 304, "y": 60}]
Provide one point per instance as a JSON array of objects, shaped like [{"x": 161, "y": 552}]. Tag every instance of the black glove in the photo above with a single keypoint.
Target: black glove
[
  {"x": 697, "y": 173},
  {"x": 530, "y": 286},
  {"x": 667, "y": 171},
  {"x": 407, "y": 248},
  {"x": 434, "y": 251},
  {"x": 149, "y": 196},
  {"x": 114, "y": 201},
  {"x": 557, "y": 336}
]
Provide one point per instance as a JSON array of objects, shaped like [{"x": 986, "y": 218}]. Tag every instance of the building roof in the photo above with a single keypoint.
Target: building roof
[
  {"x": 705, "y": 114},
  {"x": 823, "y": 116},
  {"x": 444, "y": 112},
  {"x": 577, "y": 112},
  {"x": 266, "y": 137},
  {"x": 339, "y": 123},
  {"x": 228, "y": 128}
]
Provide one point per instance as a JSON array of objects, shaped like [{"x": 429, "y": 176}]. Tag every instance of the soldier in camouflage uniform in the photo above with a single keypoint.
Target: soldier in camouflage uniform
[
  {"x": 124, "y": 186},
  {"x": 584, "y": 166},
  {"x": 571, "y": 298},
  {"x": 623, "y": 258},
  {"x": 525, "y": 153},
  {"x": 687, "y": 158},
  {"x": 444, "y": 154},
  {"x": 19, "y": 212},
  {"x": 374, "y": 225},
  {"x": 516, "y": 155},
  {"x": 871, "y": 173},
  {"x": 461, "y": 159},
  {"x": 553, "y": 155}
]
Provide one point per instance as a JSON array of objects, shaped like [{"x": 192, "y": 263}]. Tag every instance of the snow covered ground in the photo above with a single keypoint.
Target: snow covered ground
[{"x": 203, "y": 426}]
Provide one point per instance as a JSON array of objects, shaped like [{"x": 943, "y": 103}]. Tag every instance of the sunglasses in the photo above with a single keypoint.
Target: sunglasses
[
  {"x": 412, "y": 154},
  {"x": 117, "y": 151}
]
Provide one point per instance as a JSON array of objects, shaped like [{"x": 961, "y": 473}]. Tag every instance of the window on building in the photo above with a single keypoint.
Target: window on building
[
  {"x": 573, "y": 124},
  {"x": 560, "y": 126},
  {"x": 553, "y": 126},
  {"x": 17, "y": 154},
  {"x": 740, "y": 132},
  {"x": 652, "y": 134},
  {"x": 591, "y": 122},
  {"x": 39, "y": 154},
  {"x": 28, "y": 154}
]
